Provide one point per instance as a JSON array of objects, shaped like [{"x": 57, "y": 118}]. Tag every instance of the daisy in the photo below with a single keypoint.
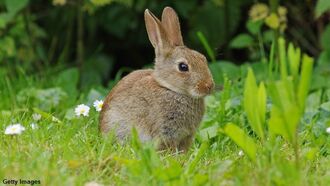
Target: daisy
[
  {"x": 36, "y": 117},
  {"x": 98, "y": 105},
  {"x": 14, "y": 129},
  {"x": 34, "y": 126},
  {"x": 82, "y": 110},
  {"x": 328, "y": 130}
]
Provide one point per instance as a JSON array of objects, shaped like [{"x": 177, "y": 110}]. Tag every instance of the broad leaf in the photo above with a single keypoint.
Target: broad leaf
[
  {"x": 208, "y": 133},
  {"x": 261, "y": 105},
  {"x": 326, "y": 106},
  {"x": 283, "y": 60},
  {"x": 321, "y": 7},
  {"x": 294, "y": 60},
  {"x": 68, "y": 81},
  {"x": 241, "y": 139},
  {"x": 254, "y": 26},
  {"x": 325, "y": 38},
  {"x": 255, "y": 103},
  {"x": 241, "y": 41},
  {"x": 13, "y": 6},
  {"x": 305, "y": 79}
]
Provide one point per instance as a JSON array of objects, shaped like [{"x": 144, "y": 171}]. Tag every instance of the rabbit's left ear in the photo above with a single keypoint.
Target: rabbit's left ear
[{"x": 171, "y": 24}]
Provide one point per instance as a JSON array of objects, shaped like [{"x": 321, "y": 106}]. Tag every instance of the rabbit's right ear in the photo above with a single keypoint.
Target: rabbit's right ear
[
  {"x": 156, "y": 32},
  {"x": 171, "y": 24}
]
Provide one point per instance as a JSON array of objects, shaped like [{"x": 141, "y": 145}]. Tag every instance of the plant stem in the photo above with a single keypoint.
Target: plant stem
[
  {"x": 273, "y": 8},
  {"x": 31, "y": 38},
  {"x": 80, "y": 35},
  {"x": 296, "y": 150}
]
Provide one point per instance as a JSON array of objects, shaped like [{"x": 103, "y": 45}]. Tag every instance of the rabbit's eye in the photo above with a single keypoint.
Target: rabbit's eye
[{"x": 183, "y": 67}]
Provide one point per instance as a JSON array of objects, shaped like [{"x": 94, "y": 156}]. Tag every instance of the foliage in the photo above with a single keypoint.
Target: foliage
[
  {"x": 242, "y": 140},
  {"x": 29, "y": 32},
  {"x": 288, "y": 96},
  {"x": 321, "y": 7},
  {"x": 255, "y": 104},
  {"x": 267, "y": 125}
]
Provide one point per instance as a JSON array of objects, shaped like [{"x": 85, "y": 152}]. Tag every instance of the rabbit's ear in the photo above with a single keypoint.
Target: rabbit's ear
[
  {"x": 171, "y": 24},
  {"x": 156, "y": 32}
]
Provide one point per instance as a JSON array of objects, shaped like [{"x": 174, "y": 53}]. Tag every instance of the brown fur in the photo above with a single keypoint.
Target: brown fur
[{"x": 164, "y": 104}]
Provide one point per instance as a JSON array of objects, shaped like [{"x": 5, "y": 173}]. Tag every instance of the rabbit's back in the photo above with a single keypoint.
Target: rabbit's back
[
  {"x": 121, "y": 103},
  {"x": 156, "y": 112}
]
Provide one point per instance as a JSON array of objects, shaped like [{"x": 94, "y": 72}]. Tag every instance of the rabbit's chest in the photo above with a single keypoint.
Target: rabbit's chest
[{"x": 183, "y": 113}]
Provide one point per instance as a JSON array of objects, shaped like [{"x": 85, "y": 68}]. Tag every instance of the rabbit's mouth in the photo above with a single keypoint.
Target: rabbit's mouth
[{"x": 198, "y": 94}]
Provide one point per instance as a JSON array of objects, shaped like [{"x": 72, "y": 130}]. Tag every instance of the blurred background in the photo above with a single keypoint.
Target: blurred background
[{"x": 105, "y": 39}]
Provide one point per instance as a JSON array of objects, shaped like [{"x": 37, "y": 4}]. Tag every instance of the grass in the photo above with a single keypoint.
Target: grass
[{"x": 72, "y": 151}]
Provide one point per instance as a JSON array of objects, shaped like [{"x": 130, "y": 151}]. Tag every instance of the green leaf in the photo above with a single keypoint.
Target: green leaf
[
  {"x": 313, "y": 101},
  {"x": 241, "y": 139},
  {"x": 208, "y": 133},
  {"x": 294, "y": 60},
  {"x": 93, "y": 95},
  {"x": 68, "y": 81},
  {"x": 268, "y": 36},
  {"x": 305, "y": 79},
  {"x": 95, "y": 69},
  {"x": 241, "y": 41},
  {"x": 70, "y": 114},
  {"x": 327, "y": 93},
  {"x": 4, "y": 19},
  {"x": 285, "y": 113},
  {"x": 262, "y": 98},
  {"x": 277, "y": 124},
  {"x": 326, "y": 106},
  {"x": 283, "y": 60},
  {"x": 206, "y": 45},
  {"x": 324, "y": 57},
  {"x": 325, "y": 38},
  {"x": 14, "y": 6},
  {"x": 101, "y": 2},
  {"x": 209, "y": 18},
  {"x": 321, "y": 7},
  {"x": 7, "y": 46},
  {"x": 255, "y": 106},
  {"x": 254, "y": 26}
]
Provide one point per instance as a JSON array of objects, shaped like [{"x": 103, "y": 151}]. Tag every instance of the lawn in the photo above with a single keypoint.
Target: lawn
[
  {"x": 266, "y": 123},
  {"x": 61, "y": 148}
]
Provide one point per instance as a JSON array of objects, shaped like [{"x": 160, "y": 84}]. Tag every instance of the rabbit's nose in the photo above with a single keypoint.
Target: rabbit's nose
[{"x": 209, "y": 86}]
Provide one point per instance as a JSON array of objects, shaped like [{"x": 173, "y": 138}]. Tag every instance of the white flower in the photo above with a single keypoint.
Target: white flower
[
  {"x": 82, "y": 110},
  {"x": 328, "y": 130},
  {"x": 240, "y": 153},
  {"x": 98, "y": 105},
  {"x": 36, "y": 117},
  {"x": 14, "y": 129},
  {"x": 34, "y": 126}
]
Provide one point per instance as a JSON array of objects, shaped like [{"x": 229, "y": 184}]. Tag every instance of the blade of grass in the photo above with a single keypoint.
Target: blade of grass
[{"x": 206, "y": 45}]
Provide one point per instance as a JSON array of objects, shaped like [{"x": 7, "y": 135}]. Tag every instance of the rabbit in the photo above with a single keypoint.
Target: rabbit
[{"x": 165, "y": 104}]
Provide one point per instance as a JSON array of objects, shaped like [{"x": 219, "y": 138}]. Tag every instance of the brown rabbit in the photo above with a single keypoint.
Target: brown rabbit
[{"x": 165, "y": 104}]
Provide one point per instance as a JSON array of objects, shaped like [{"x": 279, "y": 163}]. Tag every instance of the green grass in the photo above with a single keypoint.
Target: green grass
[{"x": 72, "y": 151}]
